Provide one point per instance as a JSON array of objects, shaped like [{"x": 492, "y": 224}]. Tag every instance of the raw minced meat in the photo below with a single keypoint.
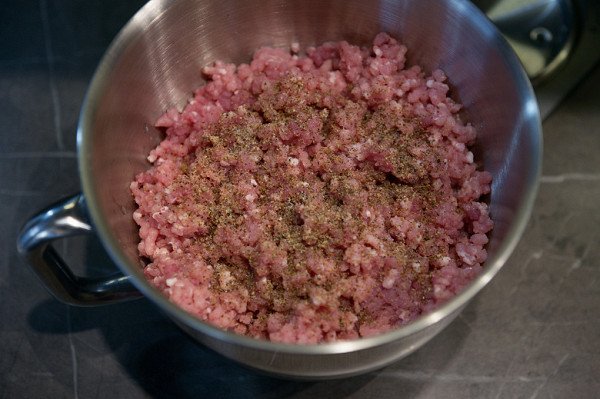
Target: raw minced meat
[{"x": 316, "y": 198}]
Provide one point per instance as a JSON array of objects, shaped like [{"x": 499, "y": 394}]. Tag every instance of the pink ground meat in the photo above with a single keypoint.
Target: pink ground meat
[{"x": 316, "y": 198}]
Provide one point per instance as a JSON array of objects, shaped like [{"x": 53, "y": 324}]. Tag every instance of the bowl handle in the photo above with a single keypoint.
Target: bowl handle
[{"x": 64, "y": 219}]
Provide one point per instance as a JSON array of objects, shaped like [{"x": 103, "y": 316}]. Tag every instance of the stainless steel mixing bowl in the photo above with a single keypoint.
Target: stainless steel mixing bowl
[{"x": 155, "y": 63}]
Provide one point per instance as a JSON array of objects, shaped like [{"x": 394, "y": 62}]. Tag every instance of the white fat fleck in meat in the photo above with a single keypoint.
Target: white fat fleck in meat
[
  {"x": 225, "y": 280},
  {"x": 466, "y": 257},
  {"x": 417, "y": 267},
  {"x": 161, "y": 252},
  {"x": 469, "y": 157},
  {"x": 332, "y": 77},
  {"x": 390, "y": 279},
  {"x": 170, "y": 282}
]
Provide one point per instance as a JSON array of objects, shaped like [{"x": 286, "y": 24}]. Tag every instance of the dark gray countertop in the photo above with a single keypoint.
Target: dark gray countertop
[{"x": 534, "y": 332}]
